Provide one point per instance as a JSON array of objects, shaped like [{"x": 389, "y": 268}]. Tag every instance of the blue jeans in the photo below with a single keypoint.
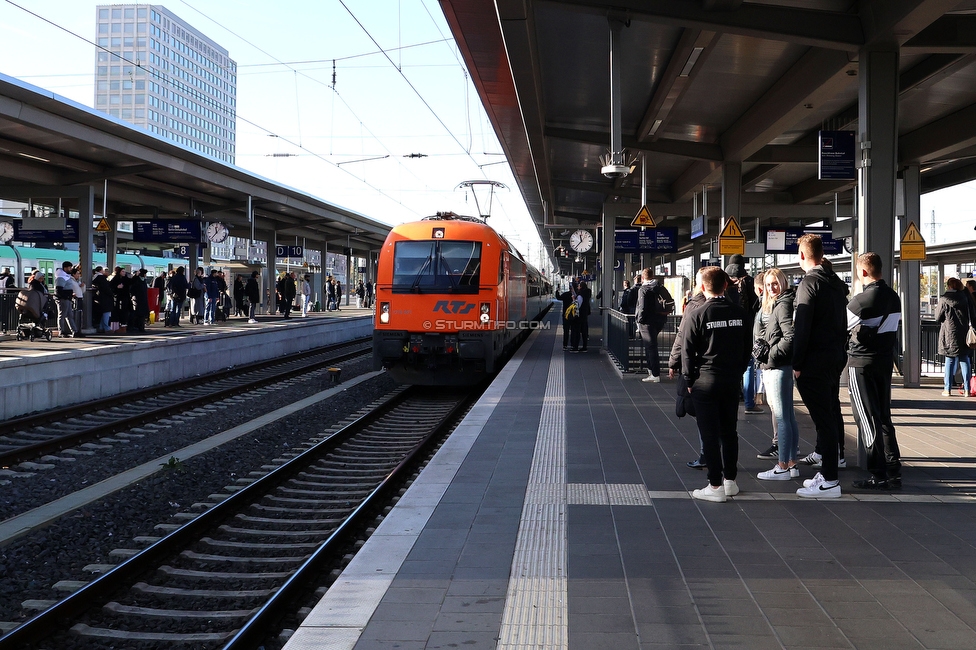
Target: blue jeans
[
  {"x": 749, "y": 384},
  {"x": 105, "y": 321},
  {"x": 175, "y": 310},
  {"x": 211, "y": 310},
  {"x": 779, "y": 396},
  {"x": 951, "y": 364}
]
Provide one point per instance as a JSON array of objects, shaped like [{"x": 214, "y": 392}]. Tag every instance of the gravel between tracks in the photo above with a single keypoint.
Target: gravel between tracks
[{"x": 32, "y": 564}]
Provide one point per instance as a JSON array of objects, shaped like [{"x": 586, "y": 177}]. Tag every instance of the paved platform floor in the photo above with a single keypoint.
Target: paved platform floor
[{"x": 559, "y": 516}]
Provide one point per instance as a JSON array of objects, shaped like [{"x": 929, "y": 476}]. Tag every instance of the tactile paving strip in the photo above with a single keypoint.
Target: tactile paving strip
[{"x": 536, "y": 608}]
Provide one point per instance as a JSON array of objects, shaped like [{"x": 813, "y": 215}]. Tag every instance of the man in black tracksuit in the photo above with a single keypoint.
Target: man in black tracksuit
[
  {"x": 819, "y": 355},
  {"x": 715, "y": 349},
  {"x": 872, "y": 320}
]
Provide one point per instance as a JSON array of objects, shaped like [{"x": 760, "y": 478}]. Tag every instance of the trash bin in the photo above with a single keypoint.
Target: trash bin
[{"x": 154, "y": 302}]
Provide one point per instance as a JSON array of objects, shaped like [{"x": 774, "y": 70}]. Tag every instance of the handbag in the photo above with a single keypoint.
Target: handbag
[
  {"x": 760, "y": 350},
  {"x": 971, "y": 337},
  {"x": 682, "y": 403},
  {"x": 193, "y": 293}
]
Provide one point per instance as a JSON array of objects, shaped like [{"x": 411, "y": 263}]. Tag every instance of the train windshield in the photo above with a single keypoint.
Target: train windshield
[{"x": 437, "y": 266}]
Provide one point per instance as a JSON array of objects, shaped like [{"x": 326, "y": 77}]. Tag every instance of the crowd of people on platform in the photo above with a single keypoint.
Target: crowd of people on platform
[
  {"x": 741, "y": 335},
  {"x": 121, "y": 303}
]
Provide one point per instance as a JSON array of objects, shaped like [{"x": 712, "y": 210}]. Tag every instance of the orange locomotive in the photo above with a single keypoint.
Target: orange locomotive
[{"x": 452, "y": 298}]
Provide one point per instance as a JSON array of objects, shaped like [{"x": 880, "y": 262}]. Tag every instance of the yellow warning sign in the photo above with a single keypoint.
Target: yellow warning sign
[
  {"x": 103, "y": 226},
  {"x": 912, "y": 235},
  {"x": 732, "y": 229},
  {"x": 731, "y": 241},
  {"x": 912, "y": 245},
  {"x": 644, "y": 218}
]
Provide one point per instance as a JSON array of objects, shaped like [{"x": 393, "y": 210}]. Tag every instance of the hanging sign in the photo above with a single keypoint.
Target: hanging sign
[
  {"x": 643, "y": 219},
  {"x": 175, "y": 231},
  {"x": 912, "y": 245},
  {"x": 836, "y": 162},
  {"x": 662, "y": 240},
  {"x": 68, "y": 234},
  {"x": 783, "y": 240},
  {"x": 289, "y": 251},
  {"x": 732, "y": 241}
]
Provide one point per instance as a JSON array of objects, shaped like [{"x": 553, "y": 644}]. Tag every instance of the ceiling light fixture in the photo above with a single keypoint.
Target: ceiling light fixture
[{"x": 692, "y": 60}]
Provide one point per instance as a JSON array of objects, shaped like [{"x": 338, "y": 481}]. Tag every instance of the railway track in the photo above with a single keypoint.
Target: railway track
[
  {"x": 30, "y": 437},
  {"x": 227, "y": 576}
]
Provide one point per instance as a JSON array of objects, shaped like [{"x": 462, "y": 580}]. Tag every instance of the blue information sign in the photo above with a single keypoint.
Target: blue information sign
[
  {"x": 69, "y": 234},
  {"x": 166, "y": 231},
  {"x": 783, "y": 240},
  {"x": 289, "y": 251},
  {"x": 648, "y": 240},
  {"x": 837, "y": 156}
]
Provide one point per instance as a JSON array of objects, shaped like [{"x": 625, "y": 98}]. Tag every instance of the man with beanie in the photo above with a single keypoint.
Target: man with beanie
[{"x": 742, "y": 292}]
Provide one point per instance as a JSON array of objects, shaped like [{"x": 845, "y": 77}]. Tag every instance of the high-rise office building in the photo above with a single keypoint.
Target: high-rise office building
[{"x": 156, "y": 71}]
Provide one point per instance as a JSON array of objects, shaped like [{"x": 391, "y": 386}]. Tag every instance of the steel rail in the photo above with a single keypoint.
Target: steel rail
[{"x": 95, "y": 593}]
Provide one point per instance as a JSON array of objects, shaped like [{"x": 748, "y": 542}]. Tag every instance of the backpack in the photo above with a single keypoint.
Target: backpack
[
  {"x": 665, "y": 302},
  {"x": 572, "y": 311}
]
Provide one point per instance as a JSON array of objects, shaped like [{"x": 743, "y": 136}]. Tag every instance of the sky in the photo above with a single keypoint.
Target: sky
[{"x": 298, "y": 128}]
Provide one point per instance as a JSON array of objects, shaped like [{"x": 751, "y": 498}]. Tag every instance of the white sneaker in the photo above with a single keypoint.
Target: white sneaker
[
  {"x": 251, "y": 321},
  {"x": 652, "y": 379},
  {"x": 709, "y": 493},
  {"x": 819, "y": 488},
  {"x": 776, "y": 474},
  {"x": 794, "y": 472},
  {"x": 841, "y": 463},
  {"x": 730, "y": 487}
]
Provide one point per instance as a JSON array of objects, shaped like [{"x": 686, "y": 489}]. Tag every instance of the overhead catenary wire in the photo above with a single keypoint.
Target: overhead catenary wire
[
  {"x": 412, "y": 87},
  {"x": 313, "y": 79}
]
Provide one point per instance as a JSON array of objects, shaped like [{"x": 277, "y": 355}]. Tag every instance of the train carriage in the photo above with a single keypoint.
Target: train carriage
[{"x": 453, "y": 297}]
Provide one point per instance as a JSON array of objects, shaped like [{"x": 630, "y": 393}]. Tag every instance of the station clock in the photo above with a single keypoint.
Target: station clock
[{"x": 581, "y": 241}]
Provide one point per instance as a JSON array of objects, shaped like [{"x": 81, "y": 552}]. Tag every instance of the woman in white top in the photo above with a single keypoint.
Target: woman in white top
[{"x": 306, "y": 295}]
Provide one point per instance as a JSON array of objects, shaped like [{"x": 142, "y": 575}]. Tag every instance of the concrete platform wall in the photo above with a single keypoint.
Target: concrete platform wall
[{"x": 64, "y": 377}]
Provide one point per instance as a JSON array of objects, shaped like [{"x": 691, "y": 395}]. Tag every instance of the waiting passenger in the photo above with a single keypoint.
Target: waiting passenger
[
  {"x": 774, "y": 325},
  {"x": 65, "y": 296},
  {"x": 240, "y": 304},
  {"x": 253, "y": 292},
  {"x": 103, "y": 300},
  {"x": 139, "y": 298},
  {"x": 696, "y": 300},
  {"x": 120, "y": 294},
  {"x": 198, "y": 297},
  {"x": 715, "y": 349},
  {"x": 955, "y": 317},
  {"x": 306, "y": 294},
  {"x": 177, "y": 289},
  {"x": 287, "y": 293},
  {"x": 566, "y": 298},
  {"x": 873, "y": 317},
  {"x": 7, "y": 281}
]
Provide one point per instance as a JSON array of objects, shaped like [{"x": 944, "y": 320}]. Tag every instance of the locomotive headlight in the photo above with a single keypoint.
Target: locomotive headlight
[
  {"x": 485, "y": 312},
  {"x": 384, "y": 312}
]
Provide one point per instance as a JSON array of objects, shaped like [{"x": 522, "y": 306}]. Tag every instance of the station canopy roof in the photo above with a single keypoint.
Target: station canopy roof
[
  {"x": 48, "y": 141},
  {"x": 707, "y": 81}
]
